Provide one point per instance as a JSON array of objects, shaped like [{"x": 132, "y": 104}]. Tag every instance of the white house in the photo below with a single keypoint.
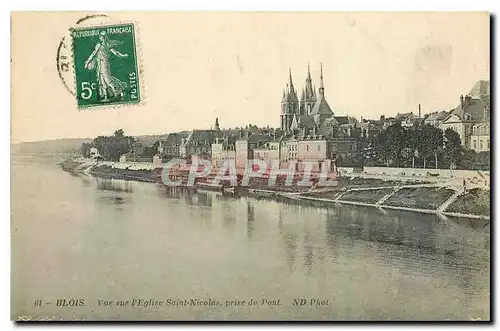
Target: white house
[{"x": 94, "y": 153}]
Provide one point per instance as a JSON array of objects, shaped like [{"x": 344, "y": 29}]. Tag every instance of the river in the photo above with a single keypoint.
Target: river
[{"x": 85, "y": 238}]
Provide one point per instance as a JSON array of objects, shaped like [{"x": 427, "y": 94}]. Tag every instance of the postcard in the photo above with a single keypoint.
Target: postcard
[{"x": 250, "y": 166}]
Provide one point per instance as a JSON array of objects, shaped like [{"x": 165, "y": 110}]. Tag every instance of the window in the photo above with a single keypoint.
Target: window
[
  {"x": 307, "y": 147},
  {"x": 319, "y": 148},
  {"x": 480, "y": 144},
  {"x": 488, "y": 143},
  {"x": 475, "y": 145}
]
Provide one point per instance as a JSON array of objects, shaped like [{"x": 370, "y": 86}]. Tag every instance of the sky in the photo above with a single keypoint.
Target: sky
[{"x": 197, "y": 66}]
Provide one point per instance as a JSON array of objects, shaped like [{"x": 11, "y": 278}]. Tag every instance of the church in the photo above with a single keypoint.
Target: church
[
  {"x": 310, "y": 115},
  {"x": 311, "y": 131}
]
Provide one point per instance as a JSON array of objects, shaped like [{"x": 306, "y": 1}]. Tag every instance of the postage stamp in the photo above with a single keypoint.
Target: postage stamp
[{"x": 106, "y": 65}]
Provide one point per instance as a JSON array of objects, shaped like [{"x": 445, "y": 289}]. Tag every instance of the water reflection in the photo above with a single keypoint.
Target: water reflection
[
  {"x": 204, "y": 199},
  {"x": 147, "y": 239},
  {"x": 112, "y": 200},
  {"x": 250, "y": 219},
  {"x": 291, "y": 248},
  {"x": 308, "y": 253},
  {"x": 114, "y": 185}
]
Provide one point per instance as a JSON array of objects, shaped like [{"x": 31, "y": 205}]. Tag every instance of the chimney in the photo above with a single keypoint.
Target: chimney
[
  {"x": 462, "y": 101},
  {"x": 419, "y": 111}
]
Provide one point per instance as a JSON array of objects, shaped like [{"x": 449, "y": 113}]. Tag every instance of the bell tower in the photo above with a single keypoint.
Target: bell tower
[{"x": 289, "y": 104}]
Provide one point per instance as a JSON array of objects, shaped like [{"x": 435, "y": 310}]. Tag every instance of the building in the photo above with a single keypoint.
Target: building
[
  {"x": 480, "y": 137},
  {"x": 311, "y": 114},
  {"x": 223, "y": 149},
  {"x": 436, "y": 118},
  {"x": 171, "y": 145},
  {"x": 312, "y": 150},
  {"x": 198, "y": 142},
  {"x": 369, "y": 128},
  {"x": 342, "y": 150},
  {"x": 311, "y": 131},
  {"x": 471, "y": 118},
  {"x": 268, "y": 152},
  {"x": 289, "y": 149},
  {"x": 94, "y": 153},
  {"x": 407, "y": 120},
  {"x": 245, "y": 146}
]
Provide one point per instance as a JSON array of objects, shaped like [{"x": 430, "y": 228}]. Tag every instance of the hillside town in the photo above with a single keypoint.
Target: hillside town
[{"x": 312, "y": 131}]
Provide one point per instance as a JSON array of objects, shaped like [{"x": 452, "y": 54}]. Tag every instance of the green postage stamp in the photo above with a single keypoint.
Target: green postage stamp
[{"x": 105, "y": 63}]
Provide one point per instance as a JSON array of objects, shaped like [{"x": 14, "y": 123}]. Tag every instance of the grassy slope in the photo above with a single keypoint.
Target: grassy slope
[
  {"x": 476, "y": 201},
  {"x": 420, "y": 197}
]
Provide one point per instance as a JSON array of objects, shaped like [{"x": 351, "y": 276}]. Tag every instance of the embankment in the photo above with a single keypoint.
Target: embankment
[
  {"x": 424, "y": 198},
  {"x": 402, "y": 194},
  {"x": 107, "y": 171},
  {"x": 114, "y": 170}
]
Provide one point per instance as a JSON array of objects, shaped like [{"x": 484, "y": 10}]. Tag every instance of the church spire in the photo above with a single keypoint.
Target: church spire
[
  {"x": 321, "y": 86},
  {"x": 291, "y": 93},
  {"x": 308, "y": 86}
]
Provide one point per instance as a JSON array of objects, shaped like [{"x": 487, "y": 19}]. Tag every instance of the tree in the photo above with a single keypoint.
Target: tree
[
  {"x": 390, "y": 143},
  {"x": 150, "y": 151},
  {"x": 467, "y": 159},
  {"x": 85, "y": 149},
  {"x": 428, "y": 140},
  {"x": 453, "y": 146},
  {"x": 112, "y": 147},
  {"x": 119, "y": 133}
]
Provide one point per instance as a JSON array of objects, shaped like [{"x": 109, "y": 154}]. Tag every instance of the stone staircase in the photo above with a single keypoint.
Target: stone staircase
[{"x": 450, "y": 200}]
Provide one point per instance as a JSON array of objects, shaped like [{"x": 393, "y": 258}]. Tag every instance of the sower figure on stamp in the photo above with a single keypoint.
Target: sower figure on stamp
[{"x": 100, "y": 61}]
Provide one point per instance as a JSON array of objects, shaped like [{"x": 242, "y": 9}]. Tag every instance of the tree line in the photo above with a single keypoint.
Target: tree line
[
  {"x": 110, "y": 147},
  {"x": 423, "y": 146}
]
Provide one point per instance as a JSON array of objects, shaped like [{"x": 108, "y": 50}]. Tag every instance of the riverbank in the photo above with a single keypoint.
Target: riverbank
[
  {"x": 112, "y": 170},
  {"x": 409, "y": 194}
]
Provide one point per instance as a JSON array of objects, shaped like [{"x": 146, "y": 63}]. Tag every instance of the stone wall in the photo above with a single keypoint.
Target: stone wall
[{"x": 420, "y": 172}]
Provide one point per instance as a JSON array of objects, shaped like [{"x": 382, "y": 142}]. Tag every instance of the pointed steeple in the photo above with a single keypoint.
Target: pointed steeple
[
  {"x": 308, "y": 86},
  {"x": 290, "y": 78},
  {"x": 292, "y": 93},
  {"x": 321, "y": 86}
]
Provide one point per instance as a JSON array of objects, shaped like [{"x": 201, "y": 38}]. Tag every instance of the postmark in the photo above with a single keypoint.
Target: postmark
[{"x": 106, "y": 71}]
